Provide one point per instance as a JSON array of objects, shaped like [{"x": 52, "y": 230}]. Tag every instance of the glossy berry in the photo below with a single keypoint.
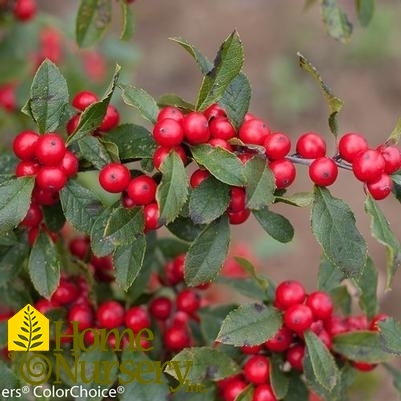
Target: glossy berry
[
  {"x": 320, "y": 304},
  {"x": 214, "y": 111},
  {"x": 111, "y": 119},
  {"x": 50, "y": 149},
  {"x": 24, "y": 10},
  {"x": 69, "y": 163},
  {"x": 24, "y": 145},
  {"x": 381, "y": 188},
  {"x": 237, "y": 199},
  {"x": 72, "y": 124},
  {"x": 33, "y": 216},
  {"x": 221, "y": 128},
  {"x": 79, "y": 247},
  {"x": 368, "y": 166},
  {"x": 51, "y": 178},
  {"x": 162, "y": 152},
  {"x": 83, "y": 314},
  {"x": 295, "y": 357},
  {"x": 311, "y": 146},
  {"x": 238, "y": 217},
  {"x": 142, "y": 190},
  {"x": 280, "y": 341},
  {"x": 27, "y": 168},
  {"x": 233, "y": 388},
  {"x": 196, "y": 128},
  {"x": 110, "y": 315},
  {"x": 251, "y": 349},
  {"x": 174, "y": 270},
  {"x": 253, "y": 131},
  {"x": 161, "y": 307},
  {"x": 363, "y": 366},
  {"x": 284, "y": 173},
  {"x": 65, "y": 293},
  {"x": 350, "y": 145},
  {"x": 264, "y": 392},
  {"x": 392, "y": 158},
  {"x": 152, "y": 214},
  {"x": 137, "y": 318},
  {"x": 45, "y": 196},
  {"x": 298, "y": 318},
  {"x": 168, "y": 133},
  {"x": 257, "y": 369},
  {"x": 323, "y": 171},
  {"x": 188, "y": 301},
  {"x": 289, "y": 293},
  {"x": 197, "y": 177},
  {"x": 222, "y": 143},
  {"x": 277, "y": 145},
  {"x": 114, "y": 177},
  {"x": 84, "y": 99},
  {"x": 170, "y": 112},
  {"x": 176, "y": 338}
]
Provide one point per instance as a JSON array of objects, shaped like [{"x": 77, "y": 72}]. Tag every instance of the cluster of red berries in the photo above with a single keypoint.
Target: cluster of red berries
[
  {"x": 301, "y": 312},
  {"x": 84, "y": 99},
  {"x": 22, "y": 10},
  {"x": 47, "y": 159}
]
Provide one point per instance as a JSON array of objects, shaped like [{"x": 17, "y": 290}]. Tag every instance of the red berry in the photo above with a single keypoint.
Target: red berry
[
  {"x": 70, "y": 163},
  {"x": 110, "y": 314},
  {"x": 350, "y": 145},
  {"x": 298, "y": 318},
  {"x": 253, "y": 131},
  {"x": 24, "y": 145},
  {"x": 257, "y": 369},
  {"x": 284, "y": 173},
  {"x": 368, "y": 166},
  {"x": 46, "y": 197},
  {"x": 83, "y": 314},
  {"x": 323, "y": 171},
  {"x": 79, "y": 247},
  {"x": 392, "y": 158},
  {"x": 142, "y": 190},
  {"x": 363, "y": 366},
  {"x": 72, "y": 124},
  {"x": 233, "y": 389},
  {"x": 176, "y": 338},
  {"x": 170, "y": 112},
  {"x": 174, "y": 270},
  {"x": 43, "y": 306},
  {"x": 222, "y": 143},
  {"x": 8, "y": 99},
  {"x": 114, "y": 177},
  {"x": 295, "y": 357},
  {"x": 168, "y": 133},
  {"x": 162, "y": 152},
  {"x": 51, "y": 178},
  {"x": 152, "y": 215},
  {"x": 238, "y": 217},
  {"x": 196, "y": 128},
  {"x": 237, "y": 199},
  {"x": 246, "y": 156},
  {"x": 357, "y": 323},
  {"x": 50, "y": 149},
  {"x": 27, "y": 168},
  {"x": 198, "y": 176},
  {"x": 335, "y": 325},
  {"x": 251, "y": 349},
  {"x": 137, "y": 318},
  {"x": 84, "y": 99},
  {"x": 264, "y": 392},
  {"x": 376, "y": 319},
  {"x": 111, "y": 119},
  {"x": 320, "y": 304},
  {"x": 214, "y": 111},
  {"x": 65, "y": 293},
  {"x": 289, "y": 293},
  {"x": 188, "y": 301},
  {"x": 280, "y": 341},
  {"x": 221, "y": 128},
  {"x": 24, "y": 10},
  {"x": 161, "y": 307},
  {"x": 311, "y": 146},
  {"x": 33, "y": 216},
  {"x": 277, "y": 145}
]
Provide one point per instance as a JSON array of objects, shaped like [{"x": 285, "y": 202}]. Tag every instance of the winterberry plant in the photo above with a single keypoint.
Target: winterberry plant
[{"x": 112, "y": 227}]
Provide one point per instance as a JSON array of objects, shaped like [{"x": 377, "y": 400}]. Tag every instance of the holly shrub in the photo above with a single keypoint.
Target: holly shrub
[{"x": 117, "y": 232}]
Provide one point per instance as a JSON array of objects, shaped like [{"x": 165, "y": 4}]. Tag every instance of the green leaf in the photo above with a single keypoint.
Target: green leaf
[
  {"x": 128, "y": 261},
  {"x": 207, "y": 253},
  {"x": 185, "y": 229},
  {"x": 116, "y": 226},
  {"x": 278, "y": 379},
  {"x": 322, "y": 361},
  {"x": 341, "y": 298},
  {"x": 140, "y": 100},
  {"x": 367, "y": 285},
  {"x": 396, "y": 375},
  {"x": 207, "y": 364},
  {"x": 390, "y": 336},
  {"x": 380, "y": 229},
  {"x": 171, "y": 99},
  {"x": 361, "y": 346},
  {"x": 92, "y": 20},
  {"x": 250, "y": 324},
  {"x": 49, "y": 99},
  {"x": 335, "y": 103},
  {"x": 54, "y": 217},
  {"x": 365, "y": 10},
  {"x": 329, "y": 277},
  {"x": 333, "y": 225},
  {"x": 260, "y": 184},
  {"x": 276, "y": 225},
  {"x": 172, "y": 192},
  {"x": 8, "y": 379},
  {"x": 236, "y": 98},
  {"x": 222, "y": 164},
  {"x": 15, "y": 198},
  {"x": 208, "y": 201},
  {"x": 128, "y": 25},
  {"x": 204, "y": 64},
  {"x": 244, "y": 286},
  {"x": 81, "y": 206},
  {"x": 297, "y": 390},
  {"x": 44, "y": 265},
  {"x": 132, "y": 141},
  {"x": 11, "y": 262},
  {"x": 395, "y": 135},
  {"x": 300, "y": 199},
  {"x": 227, "y": 66},
  {"x": 92, "y": 150},
  {"x": 336, "y": 21}
]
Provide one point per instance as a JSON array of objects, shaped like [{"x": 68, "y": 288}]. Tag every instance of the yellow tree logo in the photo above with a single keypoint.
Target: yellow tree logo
[{"x": 28, "y": 330}]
